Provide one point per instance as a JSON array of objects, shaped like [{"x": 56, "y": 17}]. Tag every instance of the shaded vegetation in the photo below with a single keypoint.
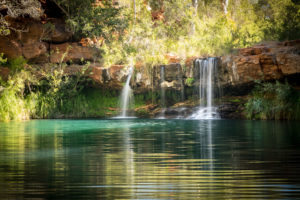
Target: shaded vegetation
[{"x": 274, "y": 101}]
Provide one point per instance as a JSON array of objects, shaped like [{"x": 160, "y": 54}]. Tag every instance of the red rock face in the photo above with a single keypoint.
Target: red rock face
[
  {"x": 115, "y": 71},
  {"x": 268, "y": 61},
  {"x": 30, "y": 41},
  {"x": 67, "y": 52},
  {"x": 10, "y": 48},
  {"x": 37, "y": 52},
  {"x": 96, "y": 73}
]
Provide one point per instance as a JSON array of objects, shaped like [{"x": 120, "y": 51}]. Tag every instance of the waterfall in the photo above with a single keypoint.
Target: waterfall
[
  {"x": 126, "y": 96},
  {"x": 207, "y": 79},
  {"x": 162, "y": 88},
  {"x": 162, "y": 93}
]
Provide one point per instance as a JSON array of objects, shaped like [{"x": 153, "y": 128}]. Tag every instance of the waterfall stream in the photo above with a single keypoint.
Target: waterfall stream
[
  {"x": 207, "y": 71},
  {"x": 126, "y": 96},
  {"x": 162, "y": 93}
]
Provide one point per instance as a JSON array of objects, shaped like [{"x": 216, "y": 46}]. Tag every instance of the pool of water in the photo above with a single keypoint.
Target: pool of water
[{"x": 149, "y": 159}]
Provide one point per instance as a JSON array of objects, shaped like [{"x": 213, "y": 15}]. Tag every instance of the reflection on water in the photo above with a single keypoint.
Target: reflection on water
[{"x": 149, "y": 159}]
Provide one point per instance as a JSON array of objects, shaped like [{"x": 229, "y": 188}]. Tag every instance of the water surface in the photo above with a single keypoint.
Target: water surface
[{"x": 149, "y": 159}]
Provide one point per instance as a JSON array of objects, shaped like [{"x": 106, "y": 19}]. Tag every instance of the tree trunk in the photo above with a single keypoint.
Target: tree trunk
[
  {"x": 195, "y": 6},
  {"x": 225, "y": 6},
  {"x": 134, "y": 9}
]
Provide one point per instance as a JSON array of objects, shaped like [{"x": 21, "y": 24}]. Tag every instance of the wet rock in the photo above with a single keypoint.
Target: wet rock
[
  {"x": 173, "y": 72},
  {"x": 232, "y": 107},
  {"x": 173, "y": 76}
]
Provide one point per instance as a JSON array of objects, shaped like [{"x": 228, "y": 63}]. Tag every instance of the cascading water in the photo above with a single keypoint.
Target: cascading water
[
  {"x": 126, "y": 96},
  {"x": 162, "y": 93},
  {"x": 207, "y": 79},
  {"x": 162, "y": 88}
]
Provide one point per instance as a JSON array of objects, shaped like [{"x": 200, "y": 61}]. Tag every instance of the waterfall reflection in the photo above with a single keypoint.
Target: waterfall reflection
[
  {"x": 128, "y": 153},
  {"x": 206, "y": 145}
]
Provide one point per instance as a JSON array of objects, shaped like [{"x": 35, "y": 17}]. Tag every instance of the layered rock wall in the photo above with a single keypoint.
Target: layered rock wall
[{"x": 268, "y": 61}]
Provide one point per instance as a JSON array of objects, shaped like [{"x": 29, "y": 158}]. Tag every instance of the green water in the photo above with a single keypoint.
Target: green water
[{"x": 149, "y": 159}]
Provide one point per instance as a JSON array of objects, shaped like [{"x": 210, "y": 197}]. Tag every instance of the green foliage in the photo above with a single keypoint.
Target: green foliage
[
  {"x": 280, "y": 20},
  {"x": 145, "y": 98},
  {"x": 14, "y": 104},
  {"x": 274, "y": 101},
  {"x": 4, "y": 27},
  {"x": 189, "y": 82},
  {"x": 2, "y": 59},
  {"x": 16, "y": 64},
  {"x": 59, "y": 94},
  {"x": 101, "y": 102},
  {"x": 86, "y": 19}
]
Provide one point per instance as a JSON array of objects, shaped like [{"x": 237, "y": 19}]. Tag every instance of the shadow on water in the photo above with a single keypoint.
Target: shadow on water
[{"x": 149, "y": 159}]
